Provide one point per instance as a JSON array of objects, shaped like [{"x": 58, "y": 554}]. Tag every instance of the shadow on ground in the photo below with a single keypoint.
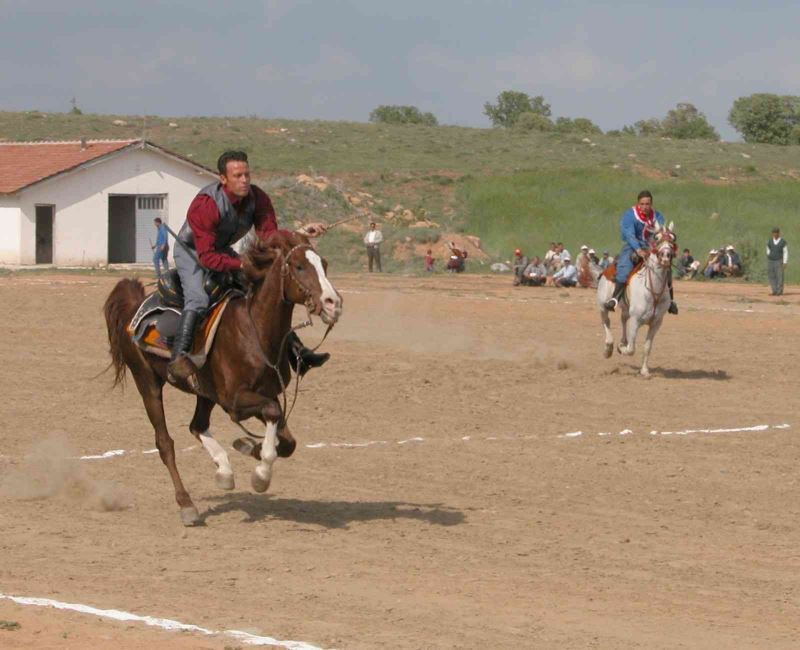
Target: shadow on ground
[
  {"x": 330, "y": 514},
  {"x": 675, "y": 373}
]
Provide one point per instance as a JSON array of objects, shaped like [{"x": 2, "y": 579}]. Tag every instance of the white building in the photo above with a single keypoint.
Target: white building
[{"x": 90, "y": 202}]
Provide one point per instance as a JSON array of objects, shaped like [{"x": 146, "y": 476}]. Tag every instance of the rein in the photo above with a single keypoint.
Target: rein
[{"x": 286, "y": 271}]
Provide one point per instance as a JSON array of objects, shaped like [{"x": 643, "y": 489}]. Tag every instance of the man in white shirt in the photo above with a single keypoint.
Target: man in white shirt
[
  {"x": 566, "y": 276},
  {"x": 372, "y": 240},
  {"x": 777, "y": 258}
]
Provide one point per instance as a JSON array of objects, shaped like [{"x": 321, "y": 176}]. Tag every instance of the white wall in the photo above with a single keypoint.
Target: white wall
[
  {"x": 9, "y": 230},
  {"x": 80, "y": 226}
]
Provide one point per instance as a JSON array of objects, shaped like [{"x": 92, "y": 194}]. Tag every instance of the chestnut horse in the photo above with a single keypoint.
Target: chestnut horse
[{"x": 247, "y": 367}]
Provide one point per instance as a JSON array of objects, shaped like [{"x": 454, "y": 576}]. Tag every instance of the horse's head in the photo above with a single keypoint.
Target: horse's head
[
  {"x": 299, "y": 269},
  {"x": 664, "y": 244}
]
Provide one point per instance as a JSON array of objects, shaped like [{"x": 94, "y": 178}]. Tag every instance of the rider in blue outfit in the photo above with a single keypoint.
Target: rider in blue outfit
[{"x": 636, "y": 227}]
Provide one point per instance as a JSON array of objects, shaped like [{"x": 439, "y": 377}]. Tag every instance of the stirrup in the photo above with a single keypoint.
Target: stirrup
[{"x": 611, "y": 304}]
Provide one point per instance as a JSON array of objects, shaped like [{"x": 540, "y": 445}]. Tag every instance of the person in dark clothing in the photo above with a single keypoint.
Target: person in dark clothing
[{"x": 777, "y": 258}]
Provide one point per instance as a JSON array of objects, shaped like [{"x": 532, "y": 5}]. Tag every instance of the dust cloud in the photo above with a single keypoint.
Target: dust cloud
[
  {"x": 395, "y": 323},
  {"x": 51, "y": 470}
]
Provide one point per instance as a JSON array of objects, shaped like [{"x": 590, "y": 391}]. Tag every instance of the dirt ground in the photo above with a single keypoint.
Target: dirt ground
[{"x": 472, "y": 521}]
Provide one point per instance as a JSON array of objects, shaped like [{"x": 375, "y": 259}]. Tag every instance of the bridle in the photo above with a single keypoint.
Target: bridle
[{"x": 286, "y": 271}]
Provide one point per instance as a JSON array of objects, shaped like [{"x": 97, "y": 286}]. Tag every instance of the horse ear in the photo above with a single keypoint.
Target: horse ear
[
  {"x": 658, "y": 227},
  {"x": 671, "y": 225}
]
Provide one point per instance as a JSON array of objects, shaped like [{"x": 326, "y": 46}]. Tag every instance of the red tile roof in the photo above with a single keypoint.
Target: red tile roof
[{"x": 25, "y": 163}]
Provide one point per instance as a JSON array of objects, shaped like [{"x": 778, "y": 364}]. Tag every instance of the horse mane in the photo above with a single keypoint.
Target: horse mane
[{"x": 261, "y": 253}]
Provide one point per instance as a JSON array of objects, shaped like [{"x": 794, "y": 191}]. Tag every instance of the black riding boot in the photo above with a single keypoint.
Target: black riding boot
[
  {"x": 619, "y": 290},
  {"x": 180, "y": 366},
  {"x": 301, "y": 358},
  {"x": 673, "y": 306}
]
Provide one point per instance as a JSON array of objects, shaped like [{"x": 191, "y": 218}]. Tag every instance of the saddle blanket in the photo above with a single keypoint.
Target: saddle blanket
[{"x": 155, "y": 324}]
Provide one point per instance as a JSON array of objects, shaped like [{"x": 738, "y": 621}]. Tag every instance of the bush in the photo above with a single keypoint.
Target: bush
[
  {"x": 533, "y": 122},
  {"x": 580, "y": 125},
  {"x": 402, "y": 115},
  {"x": 511, "y": 104}
]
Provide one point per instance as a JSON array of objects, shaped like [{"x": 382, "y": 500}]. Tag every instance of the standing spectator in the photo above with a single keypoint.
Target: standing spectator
[
  {"x": 518, "y": 266},
  {"x": 583, "y": 265},
  {"x": 535, "y": 273},
  {"x": 372, "y": 240},
  {"x": 777, "y": 258},
  {"x": 563, "y": 253},
  {"x": 429, "y": 261},
  {"x": 567, "y": 276},
  {"x": 605, "y": 261},
  {"x": 550, "y": 254},
  {"x": 731, "y": 263},
  {"x": 161, "y": 248},
  {"x": 684, "y": 266}
]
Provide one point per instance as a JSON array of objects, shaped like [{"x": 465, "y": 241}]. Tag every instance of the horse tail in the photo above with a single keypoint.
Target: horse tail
[{"x": 119, "y": 308}]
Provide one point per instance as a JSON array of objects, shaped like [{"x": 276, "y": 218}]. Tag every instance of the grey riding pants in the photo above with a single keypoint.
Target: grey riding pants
[{"x": 192, "y": 274}]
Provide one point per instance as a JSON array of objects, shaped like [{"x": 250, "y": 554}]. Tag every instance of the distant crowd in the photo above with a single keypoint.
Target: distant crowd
[{"x": 558, "y": 268}]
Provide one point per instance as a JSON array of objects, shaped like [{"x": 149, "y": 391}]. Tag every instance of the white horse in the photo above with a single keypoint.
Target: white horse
[{"x": 647, "y": 298}]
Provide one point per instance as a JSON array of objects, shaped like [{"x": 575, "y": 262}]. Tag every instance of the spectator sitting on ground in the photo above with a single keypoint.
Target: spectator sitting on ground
[
  {"x": 605, "y": 261},
  {"x": 566, "y": 276},
  {"x": 684, "y": 265},
  {"x": 711, "y": 269},
  {"x": 535, "y": 274},
  {"x": 593, "y": 257},
  {"x": 730, "y": 263},
  {"x": 456, "y": 262},
  {"x": 518, "y": 265},
  {"x": 594, "y": 267}
]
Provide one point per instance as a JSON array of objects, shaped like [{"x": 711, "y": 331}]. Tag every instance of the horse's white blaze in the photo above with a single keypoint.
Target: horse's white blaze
[
  {"x": 269, "y": 452},
  {"x": 217, "y": 453},
  {"x": 328, "y": 292}
]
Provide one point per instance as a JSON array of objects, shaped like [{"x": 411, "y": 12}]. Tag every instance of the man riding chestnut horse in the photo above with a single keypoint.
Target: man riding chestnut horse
[
  {"x": 219, "y": 216},
  {"x": 250, "y": 344}
]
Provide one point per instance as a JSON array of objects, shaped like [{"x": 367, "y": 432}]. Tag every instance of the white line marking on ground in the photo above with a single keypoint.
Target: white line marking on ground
[
  {"x": 685, "y": 432},
  {"x": 108, "y": 454},
  {"x": 163, "y": 623},
  {"x": 372, "y": 443}
]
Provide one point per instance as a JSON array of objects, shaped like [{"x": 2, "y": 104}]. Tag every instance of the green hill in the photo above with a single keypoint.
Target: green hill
[{"x": 507, "y": 187}]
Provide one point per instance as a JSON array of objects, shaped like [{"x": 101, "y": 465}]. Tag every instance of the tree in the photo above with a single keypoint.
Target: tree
[
  {"x": 685, "y": 122},
  {"x": 765, "y": 117},
  {"x": 580, "y": 125},
  {"x": 511, "y": 104},
  {"x": 647, "y": 127},
  {"x": 402, "y": 115},
  {"x": 529, "y": 121}
]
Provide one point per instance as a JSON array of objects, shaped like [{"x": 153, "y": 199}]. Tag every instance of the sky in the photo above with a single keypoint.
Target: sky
[{"x": 339, "y": 59}]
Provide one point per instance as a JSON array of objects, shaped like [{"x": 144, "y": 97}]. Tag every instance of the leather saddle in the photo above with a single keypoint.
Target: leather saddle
[{"x": 155, "y": 323}]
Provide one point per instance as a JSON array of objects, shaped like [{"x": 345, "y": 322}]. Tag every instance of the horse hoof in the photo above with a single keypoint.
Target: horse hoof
[
  {"x": 609, "y": 350},
  {"x": 190, "y": 516},
  {"x": 259, "y": 483},
  {"x": 224, "y": 481}
]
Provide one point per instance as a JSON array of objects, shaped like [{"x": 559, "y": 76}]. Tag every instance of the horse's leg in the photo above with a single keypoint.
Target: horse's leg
[
  {"x": 652, "y": 330},
  {"x": 623, "y": 337},
  {"x": 262, "y": 474},
  {"x": 631, "y": 330},
  {"x": 604, "y": 318},
  {"x": 151, "y": 389},
  {"x": 200, "y": 430},
  {"x": 286, "y": 441}
]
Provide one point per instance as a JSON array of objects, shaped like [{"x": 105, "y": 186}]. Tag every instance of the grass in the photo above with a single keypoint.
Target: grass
[{"x": 530, "y": 210}]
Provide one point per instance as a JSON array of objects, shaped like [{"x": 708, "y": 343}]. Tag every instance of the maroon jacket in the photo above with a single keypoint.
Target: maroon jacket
[{"x": 203, "y": 217}]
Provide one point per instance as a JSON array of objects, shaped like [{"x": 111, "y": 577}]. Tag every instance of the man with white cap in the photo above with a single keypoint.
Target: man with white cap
[
  {"x": 711, "y": 269},
  {"x": 731, "y": 263},
  {"x": 566, "y": 276}
]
